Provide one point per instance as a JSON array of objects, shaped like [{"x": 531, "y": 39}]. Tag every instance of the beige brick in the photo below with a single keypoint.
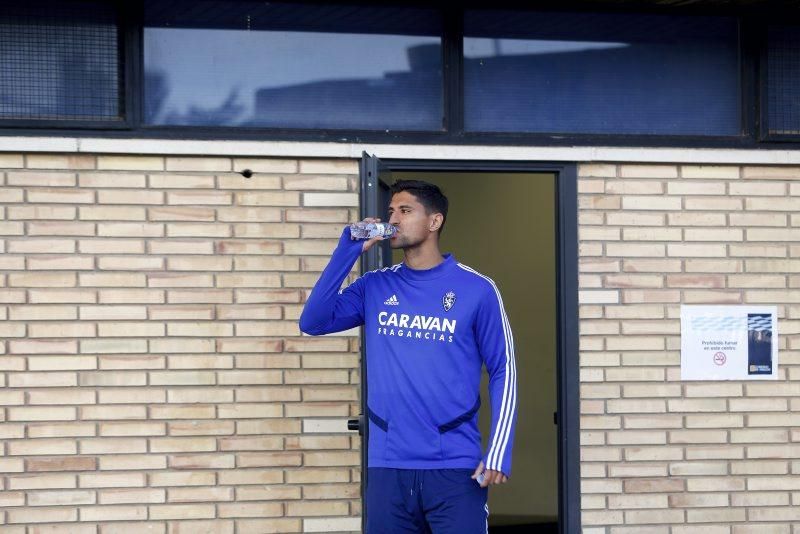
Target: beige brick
[
  {"x": 713, "y": 452},
  {"x": 696, "y": 250},
  {"x": 268, "y": 459},
  {"x": 105, "y": 346},
  {"x": 69, "y": 463},
  {"x": 182, "y": 511},
  {"x": 41, "y": 447},
  {"x": 110, "y": 246},
  {"x": 59, "y": 363},
  {"x": 40, "y": 379},
  {"x": 714, "y": 234},
  {"x": 265, "y": 165},
  {"x": 758, "y": 219},
  {"x": 653, "y": 516},
  {"x": 200, "y": 494},
  {"x": 637, "y": 501},
  {"x": 186, "y": 478},
  {"x": 648, "y": 171},
  {"x": 113, "y": 312},
  {"x": 695, "y": 188},
  {"x": 59, "y": 195},
  {"x": 761, "y": 499},
  {"x": 634, "y": 250},
  {"x": 16, "y": 228},
  {"x": 182, "y": 412},
  {"x": 41, "y": 515},
  {"x": 8, "y": 195},
  {"x": 130, "y": 229},
  {"x": 715, "y": 421},
  {"x": 42, "y": 279},
  {"x": 132, "y": 429},
  {"x": 11, "y": 161},
  {"x": 199, "y": 198},
  {"x": 43, "y": 246},
  {"x": 61, "y": 396},
  {"x": 111, "y": 480},
  {"x": 130, "y": 196},
  {"x": 113, "y": 180},
  {"x": 244, "y": 214},
  {"x": 118, "y": 213},
  {"x": 651, "y": 234},
  {"x": 41, "y": 212},
  {"x": 633, "y": 187},
  {"x": 201, "y": 428},
  {"x": 602, "y": 170},
  {"x": 143, "y": 163},
  {"x": 709, "y": 171},
  {"x": 112, "y": 412},
  {"x": 131, "y": 296},
  {"x": 250, "y": 509},
  {"x": 261, "y": 198},
  {"x": 696, "y": 219},
  {"x": 113, "y": 513},
  {"x": 330, "y": 199},
  {"x": 318, "y": 215},
  {"x": 713, "y": 203},
  {"x": 329, "y": 166},
  {"x": 773, "y": 234},
  {"x": 276, "y": 492},
  {"x": 131, "y": 496},
  {"x": 758, "y": 405},
  {"x": 181, "y": 181},
  {"x": 198, "y": 164},
  {"x": 202, "y": 461},
  {"x": 257, "y": 181},
  {"x": 180, "y": 213},
  {"x": 312, "y": 182},
  {"x": 184, "y": 444},
  {"x": 217, "y": 526},
  {"x": 787, "y": 204}
]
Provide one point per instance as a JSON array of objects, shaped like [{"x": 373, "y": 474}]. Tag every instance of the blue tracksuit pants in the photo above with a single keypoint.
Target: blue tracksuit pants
[{"x": 425, "y": 501}]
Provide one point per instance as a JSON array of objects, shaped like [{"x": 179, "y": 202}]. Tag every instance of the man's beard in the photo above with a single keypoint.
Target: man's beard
[{"x": 402, "y": 243}]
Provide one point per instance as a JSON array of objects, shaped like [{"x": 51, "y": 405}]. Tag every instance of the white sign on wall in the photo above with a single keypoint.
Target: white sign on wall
[{"x": 729, "y": 342}]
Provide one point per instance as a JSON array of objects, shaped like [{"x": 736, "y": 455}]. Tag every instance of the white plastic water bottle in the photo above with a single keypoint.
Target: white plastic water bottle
[{"x": 362, "y": 230}]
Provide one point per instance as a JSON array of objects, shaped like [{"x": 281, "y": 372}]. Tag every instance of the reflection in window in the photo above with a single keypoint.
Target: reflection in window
[
  {"x": 59, "y": 61},
  {"x": 601, "y": 73},
  {"x": 783, "y": 80},
  {"x": 257, "y": 64}
]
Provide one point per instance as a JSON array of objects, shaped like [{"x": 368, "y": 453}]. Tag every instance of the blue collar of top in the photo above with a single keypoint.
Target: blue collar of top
[{"x": 429, "y": 274}]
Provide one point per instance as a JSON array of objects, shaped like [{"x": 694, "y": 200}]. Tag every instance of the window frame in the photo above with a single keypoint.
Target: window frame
[
  {"x": 752, "y": 49},
  {"x": 124, "y": 95},
  {"x": 763, "y": 105}
]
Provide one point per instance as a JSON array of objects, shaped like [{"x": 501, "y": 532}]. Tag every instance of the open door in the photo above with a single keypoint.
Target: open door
[
  {"x": 561, "y": 250},
  {"x": 375, "y": 199}
]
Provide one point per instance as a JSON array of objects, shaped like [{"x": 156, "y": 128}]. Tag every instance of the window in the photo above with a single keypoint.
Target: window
[
  {"x": 282, "y": 65},
  {"x": 601, "y": 73},
  {"x": 59, "y": 61},
  {"x": 783, "y": 81}
]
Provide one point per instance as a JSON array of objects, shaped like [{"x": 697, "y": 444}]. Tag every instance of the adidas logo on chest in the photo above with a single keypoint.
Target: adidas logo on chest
[{"x": 392, "y": 301}]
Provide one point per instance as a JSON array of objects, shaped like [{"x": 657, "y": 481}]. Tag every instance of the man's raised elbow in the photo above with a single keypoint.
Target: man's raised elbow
[{"x": 307, "y": 328}]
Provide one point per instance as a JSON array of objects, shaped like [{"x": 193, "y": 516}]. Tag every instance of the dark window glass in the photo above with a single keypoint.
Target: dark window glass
[
  {"x": 783, "y": 80},
  {"x": 264, "y": 64},
  {"x": 608, "y": 73},
  {"x": 59, "y": 61}
]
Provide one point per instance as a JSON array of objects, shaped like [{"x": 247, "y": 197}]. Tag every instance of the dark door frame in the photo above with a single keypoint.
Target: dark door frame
[{"x": 568, "y": 402}]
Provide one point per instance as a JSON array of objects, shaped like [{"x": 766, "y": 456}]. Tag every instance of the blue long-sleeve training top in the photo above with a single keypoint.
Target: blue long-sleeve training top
[{"x": 428, "y": 332}]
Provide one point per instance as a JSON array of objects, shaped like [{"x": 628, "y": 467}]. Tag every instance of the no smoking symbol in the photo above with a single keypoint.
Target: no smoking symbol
[{"x": 719, "y": 358}]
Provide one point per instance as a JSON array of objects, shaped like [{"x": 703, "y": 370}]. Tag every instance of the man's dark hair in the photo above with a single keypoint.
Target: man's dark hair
[{"x": 428, "y": 194}]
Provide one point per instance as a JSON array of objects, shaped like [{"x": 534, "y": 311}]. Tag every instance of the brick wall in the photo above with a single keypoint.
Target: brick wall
[
  {"x": 154, "y": 380},
  {"x": 152, "y": 374},
  {"x": 661, "y": 456}
]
